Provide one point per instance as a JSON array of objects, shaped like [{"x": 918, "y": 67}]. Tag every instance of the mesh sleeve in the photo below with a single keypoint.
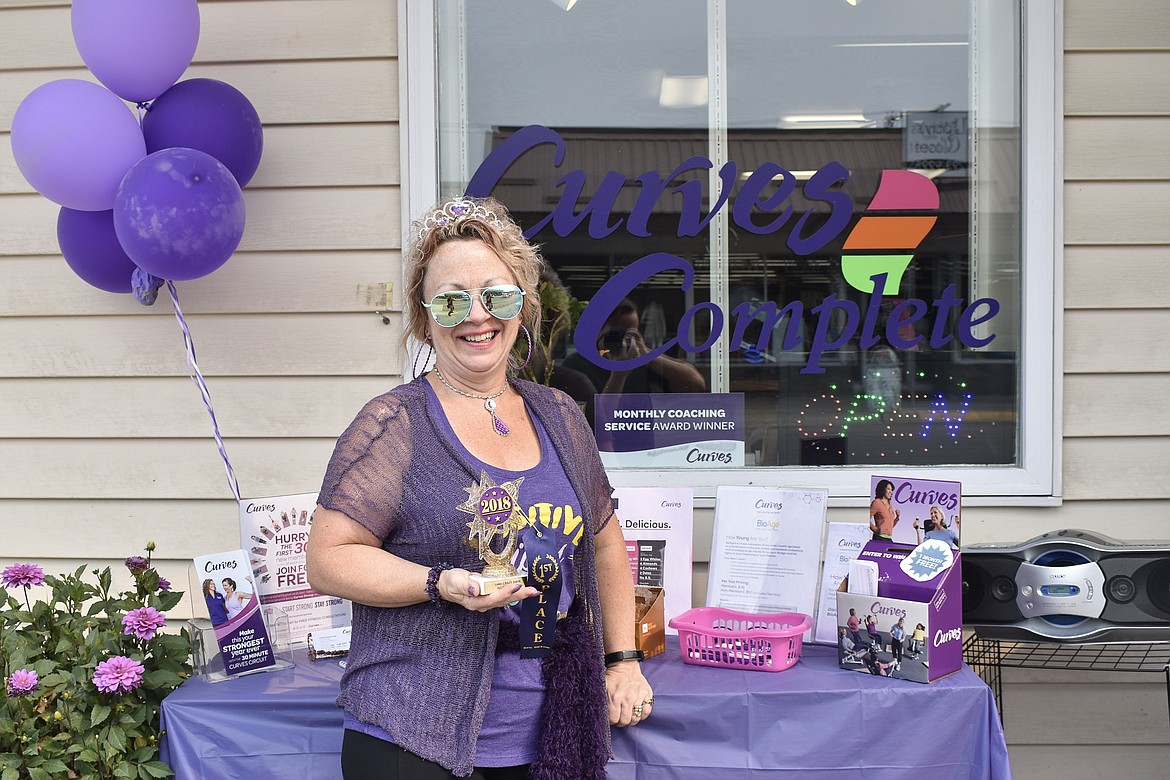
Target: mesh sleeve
[
  {"x": 596, "y": 481},
  {"x": 364, "y": 480}
]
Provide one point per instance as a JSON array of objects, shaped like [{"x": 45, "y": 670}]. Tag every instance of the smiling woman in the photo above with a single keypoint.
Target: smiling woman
[{"x": 392, "y": 529}]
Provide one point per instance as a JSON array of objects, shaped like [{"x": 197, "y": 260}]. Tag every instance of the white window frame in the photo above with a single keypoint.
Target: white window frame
[{"x": 1037, "y": 478}]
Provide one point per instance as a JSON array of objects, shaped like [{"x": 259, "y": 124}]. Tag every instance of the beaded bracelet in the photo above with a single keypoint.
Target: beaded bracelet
[{"x": 433, "y": 582}]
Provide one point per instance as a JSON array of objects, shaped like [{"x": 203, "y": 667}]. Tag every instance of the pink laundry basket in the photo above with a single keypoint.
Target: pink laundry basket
[{"x": 713, "y": 636}]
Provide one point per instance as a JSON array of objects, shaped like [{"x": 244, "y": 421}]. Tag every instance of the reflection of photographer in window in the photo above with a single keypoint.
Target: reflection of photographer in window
[{"x": 621, "y": 340}]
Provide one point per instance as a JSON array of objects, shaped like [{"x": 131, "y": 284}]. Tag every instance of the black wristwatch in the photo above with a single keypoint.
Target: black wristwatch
[{"x": 623, "y": 655}]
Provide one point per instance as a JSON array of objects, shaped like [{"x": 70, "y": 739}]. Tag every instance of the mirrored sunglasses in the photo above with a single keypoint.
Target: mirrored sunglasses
[{"x": 502, "y": 301}]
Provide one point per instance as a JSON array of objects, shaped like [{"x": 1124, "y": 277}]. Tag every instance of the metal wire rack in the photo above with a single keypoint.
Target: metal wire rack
[{"x": 987, "y": 657}]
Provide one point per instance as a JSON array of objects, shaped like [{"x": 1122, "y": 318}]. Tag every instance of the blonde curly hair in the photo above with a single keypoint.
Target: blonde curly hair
[{"x": 470, "y": 219}]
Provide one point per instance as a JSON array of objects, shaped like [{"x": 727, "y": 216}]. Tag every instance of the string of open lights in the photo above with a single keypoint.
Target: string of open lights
[{"x": 907, "y": 418}]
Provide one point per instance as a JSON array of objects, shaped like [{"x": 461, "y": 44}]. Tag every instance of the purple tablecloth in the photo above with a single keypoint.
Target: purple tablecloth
[{"x": 814, "y": 717}]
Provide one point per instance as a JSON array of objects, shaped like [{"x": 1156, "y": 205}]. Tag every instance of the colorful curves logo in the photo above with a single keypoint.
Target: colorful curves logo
[{"x": 881, "y": 234}]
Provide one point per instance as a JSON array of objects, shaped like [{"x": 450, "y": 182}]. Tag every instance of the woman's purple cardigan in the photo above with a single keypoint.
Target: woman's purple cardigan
[{"x": 424, "y": 673}]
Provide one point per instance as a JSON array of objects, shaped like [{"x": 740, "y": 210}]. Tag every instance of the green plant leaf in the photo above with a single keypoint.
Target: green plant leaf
[
  {"x": 99, "y": 714},
  {"x": 160, "y": 678},
  {"x": 155, "y": 769},
  {"x": 169, "y": 599},
  {"x": 45, "y": 667},
  {"x": 55, "y": 765},
  {"x": 117, "y": 739}
]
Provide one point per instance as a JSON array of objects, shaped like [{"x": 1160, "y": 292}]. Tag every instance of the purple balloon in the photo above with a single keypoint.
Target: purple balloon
[
  {"x": 137, "y": 48},
  {"x": 91, "y": 248},
  {"x": 74, "y": 141},
  {"x": 210, "y": 116},
  {"x": 179, "y": 214}
]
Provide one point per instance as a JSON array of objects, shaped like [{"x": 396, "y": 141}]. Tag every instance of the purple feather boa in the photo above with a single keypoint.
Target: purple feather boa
[{"x": 574, "y": 721}]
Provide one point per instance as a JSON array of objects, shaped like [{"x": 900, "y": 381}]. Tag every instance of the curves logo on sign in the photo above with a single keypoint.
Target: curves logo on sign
[{"x": 875, "y": 254}]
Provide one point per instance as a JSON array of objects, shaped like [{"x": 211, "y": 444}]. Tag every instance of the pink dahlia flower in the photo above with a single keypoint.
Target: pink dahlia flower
[
  {"x": 118, "y": 675},
  {"x": 143, "y": 623},
  {"x": 22, "y": 575},
  {"x": 23, "y": 682}
]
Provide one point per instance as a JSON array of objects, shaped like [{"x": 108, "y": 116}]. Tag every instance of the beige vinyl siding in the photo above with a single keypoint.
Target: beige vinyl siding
[
  {"x": 1116, "y": 449},
  {"x": 104, "y": 440}
]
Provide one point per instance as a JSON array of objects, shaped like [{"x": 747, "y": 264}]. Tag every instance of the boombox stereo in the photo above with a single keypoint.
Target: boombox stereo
[{"x": 1068, "y": 586}]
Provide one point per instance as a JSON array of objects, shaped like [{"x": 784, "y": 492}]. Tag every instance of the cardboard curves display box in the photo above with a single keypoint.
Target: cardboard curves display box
[{"x": 911, "y": 629}]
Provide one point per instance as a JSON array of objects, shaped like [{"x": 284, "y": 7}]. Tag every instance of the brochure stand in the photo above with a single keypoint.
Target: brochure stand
[
  {"x": 206, "y": 656},
  {"x": 208, "y": 661}
]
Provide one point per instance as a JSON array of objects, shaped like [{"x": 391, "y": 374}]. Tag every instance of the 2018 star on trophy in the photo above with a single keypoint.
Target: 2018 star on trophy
[{"x": 497, "y": 515}]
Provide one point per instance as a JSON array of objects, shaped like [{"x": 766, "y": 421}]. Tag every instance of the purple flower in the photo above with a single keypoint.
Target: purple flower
[
  {"x": 22, "y": 574},
  {"x": 118, "y": 675},
  {"x": 143, "y": 623},
  {"x": 23, "y": 682},
  {"x": 164, "y": 584},
  {"x": 137, "y": 564}
]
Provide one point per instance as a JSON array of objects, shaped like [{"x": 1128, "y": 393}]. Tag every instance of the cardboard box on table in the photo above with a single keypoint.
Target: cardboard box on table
[
  {"x": 920, "y": 584},
  {"x": 649, "y": 621}
]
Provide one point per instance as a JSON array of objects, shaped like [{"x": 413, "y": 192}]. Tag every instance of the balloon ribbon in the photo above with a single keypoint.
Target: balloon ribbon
[{"x": 197, "y": 378}]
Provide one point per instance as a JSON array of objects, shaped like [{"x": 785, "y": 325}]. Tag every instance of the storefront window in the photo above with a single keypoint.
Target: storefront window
[{"x": 809, "y": 212}]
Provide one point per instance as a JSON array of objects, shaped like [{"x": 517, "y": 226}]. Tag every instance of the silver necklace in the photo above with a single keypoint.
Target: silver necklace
[{"x": 489, "y": 402}]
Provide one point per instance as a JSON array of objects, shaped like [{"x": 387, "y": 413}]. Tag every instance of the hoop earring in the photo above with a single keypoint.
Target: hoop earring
[
  {"x": 528, "y": 357},
  {"x": 418, "y": 353}
]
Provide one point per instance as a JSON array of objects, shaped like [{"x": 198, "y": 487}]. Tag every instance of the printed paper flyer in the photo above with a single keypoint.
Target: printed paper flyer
[
  {"x": 843, "y": 541},
  {"x": 766, "y": 549},
  {"x": 916, "y": 509},
  {"x": 670, "y": 430},
  {"x": 658, "y": 526},
  {"x": 274, "y": 531},
  {"x": 234, "y": 609}
]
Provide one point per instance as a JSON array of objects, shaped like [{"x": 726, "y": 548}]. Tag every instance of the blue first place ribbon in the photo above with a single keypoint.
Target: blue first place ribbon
[{"x": 538, "y": 614}]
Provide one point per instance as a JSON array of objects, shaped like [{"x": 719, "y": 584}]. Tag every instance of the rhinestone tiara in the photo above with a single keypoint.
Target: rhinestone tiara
[{"x": 455, "y": 211}]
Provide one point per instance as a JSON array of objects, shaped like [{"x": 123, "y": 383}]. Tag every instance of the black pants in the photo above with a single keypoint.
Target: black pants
[{"x": 368, "y": 758}]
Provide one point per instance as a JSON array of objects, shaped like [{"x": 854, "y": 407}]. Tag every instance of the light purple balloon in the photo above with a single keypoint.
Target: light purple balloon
[
  {"x": 137, "y": 48},
  {"x": 210, "y": 116},
  {"x": 91, "y": 248},
  {"x": 179, "y": 214},
  {"x": 74, "y": 141}
]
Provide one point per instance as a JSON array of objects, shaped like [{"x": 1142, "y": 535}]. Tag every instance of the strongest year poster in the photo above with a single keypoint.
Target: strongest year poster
[
  {"x": 766, "y": 549},
  {"x": 274, "y": 531},
  {"x": 230, "y": 598}
]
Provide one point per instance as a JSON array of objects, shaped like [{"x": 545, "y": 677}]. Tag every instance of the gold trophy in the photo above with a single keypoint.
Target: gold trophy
[{"x": 496, "y": 515}]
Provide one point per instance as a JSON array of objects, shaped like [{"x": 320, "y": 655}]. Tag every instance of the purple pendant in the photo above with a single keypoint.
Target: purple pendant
[{"x": 497, "y": 424}]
